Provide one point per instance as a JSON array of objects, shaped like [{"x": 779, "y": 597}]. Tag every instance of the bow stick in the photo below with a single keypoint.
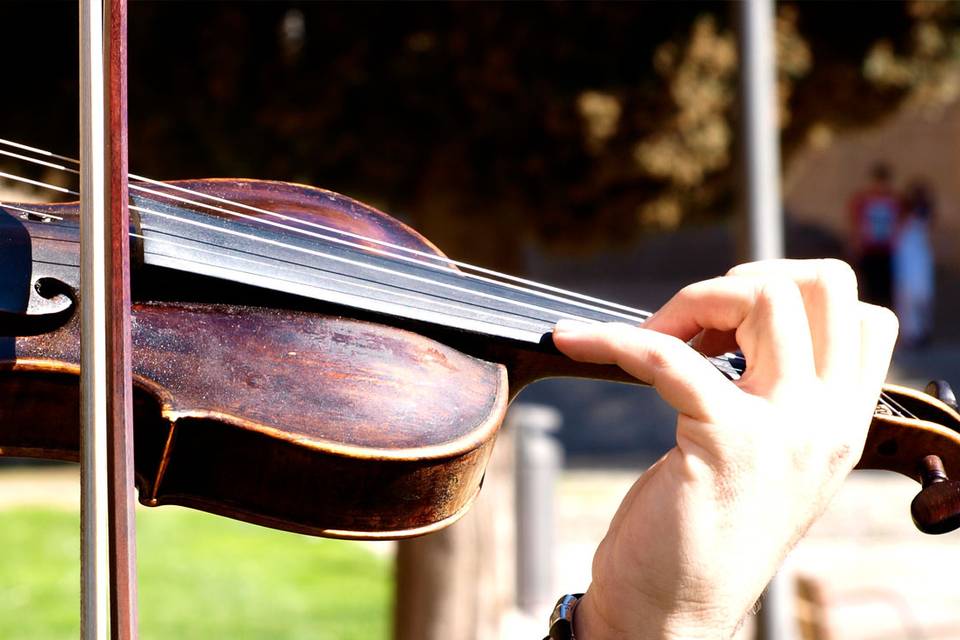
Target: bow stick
[{"x": 108, "y": 530}]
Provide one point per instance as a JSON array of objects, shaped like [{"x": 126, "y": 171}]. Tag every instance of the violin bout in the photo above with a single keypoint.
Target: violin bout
[{"x": 294, "y": 420}]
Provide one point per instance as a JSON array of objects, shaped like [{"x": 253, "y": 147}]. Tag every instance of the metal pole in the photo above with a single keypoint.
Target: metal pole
[
  {"x": 761, "y": 133},
  {"x": 95, "y": 595},
  {"x": 761, "y": 158},
  {"x": 538, "y": 461}
]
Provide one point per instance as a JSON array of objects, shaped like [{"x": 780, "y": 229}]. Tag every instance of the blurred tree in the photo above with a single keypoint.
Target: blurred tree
[
  {"x": 928, "y": 63},
  {"x": 488, "y": 126}
]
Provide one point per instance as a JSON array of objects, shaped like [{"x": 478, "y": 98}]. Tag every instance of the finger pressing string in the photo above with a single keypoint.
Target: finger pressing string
[{"x": 685, "y": 379}]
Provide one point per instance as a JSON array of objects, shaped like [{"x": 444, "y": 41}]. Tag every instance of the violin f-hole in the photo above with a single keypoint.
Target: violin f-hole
[{"x": 58, "y": 297}]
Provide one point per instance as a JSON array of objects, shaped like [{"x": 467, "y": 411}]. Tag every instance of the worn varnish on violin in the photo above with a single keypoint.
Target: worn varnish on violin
[{"x": 305, "y": 362}]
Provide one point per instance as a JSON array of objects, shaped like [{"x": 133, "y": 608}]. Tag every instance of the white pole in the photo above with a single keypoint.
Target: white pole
[
  {"x": 95, "y": 596},
  {"x": 539, "y": 460},
  {"x": 761, "y": 133},
  {"x": 761, "y": 157}
]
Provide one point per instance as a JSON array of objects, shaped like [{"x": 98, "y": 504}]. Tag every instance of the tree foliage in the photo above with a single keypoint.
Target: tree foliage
[{"x": 488, "y": 126}]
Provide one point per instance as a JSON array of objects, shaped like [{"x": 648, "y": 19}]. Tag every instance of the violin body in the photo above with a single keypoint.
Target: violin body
[
  {"x": 345, "y": 417},
  {"x": 294, "y": 419},
  {"x": 328, "y": 425}
]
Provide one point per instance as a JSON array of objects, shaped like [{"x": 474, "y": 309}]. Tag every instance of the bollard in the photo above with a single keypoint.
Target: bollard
[{"x": 539, "y": 458}]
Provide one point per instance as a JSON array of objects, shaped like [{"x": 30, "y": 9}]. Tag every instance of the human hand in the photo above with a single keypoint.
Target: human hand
[{"x": 699, "y": 535}]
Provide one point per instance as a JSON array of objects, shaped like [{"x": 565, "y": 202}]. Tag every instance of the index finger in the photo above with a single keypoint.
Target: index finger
[{"x": 683, "y": 377}]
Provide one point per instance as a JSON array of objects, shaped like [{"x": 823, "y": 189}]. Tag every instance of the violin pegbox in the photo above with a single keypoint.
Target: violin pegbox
[{"x": 917, "y": 434}]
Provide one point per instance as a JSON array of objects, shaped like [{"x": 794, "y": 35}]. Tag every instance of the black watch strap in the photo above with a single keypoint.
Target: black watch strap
[{"x": 561, "y": 620}]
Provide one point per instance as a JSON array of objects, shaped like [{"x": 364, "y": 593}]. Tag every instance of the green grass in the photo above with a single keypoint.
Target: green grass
[{"x": 200, "y": 577}]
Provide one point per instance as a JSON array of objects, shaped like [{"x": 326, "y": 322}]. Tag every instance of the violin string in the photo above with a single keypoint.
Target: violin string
[
  {"x": 636, "y": 315},
  {"x": 390, "y": 271},
  {"x": 388, "y": 293},
  {"x": 444, "y": 263},
  {"x": 534, "y": 324},
  {"x": 42, "y": 152},
  {"x": 415, "y": 261},
  {"x": 552, "y": 315},
  {"x": 355, "y": 263},
  {"x": 465, "y": 319},
  {"x": 898, "y": 408},
  {"x": 882, "y": 402},
  {"x": 49, "y": 216},
  {"x": 37, "y": 183},
  {"x": 43, "y": 163}
]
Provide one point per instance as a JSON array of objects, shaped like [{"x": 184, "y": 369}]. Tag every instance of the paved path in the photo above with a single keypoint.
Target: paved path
[
  {"x": 880, "y": 572},
  {"x": 45, "y": 486}
]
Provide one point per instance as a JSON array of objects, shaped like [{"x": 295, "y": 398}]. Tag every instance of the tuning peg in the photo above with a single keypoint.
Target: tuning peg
[
  {"x": 940, "y": 389},
  {"x": 936, "y": 509}
]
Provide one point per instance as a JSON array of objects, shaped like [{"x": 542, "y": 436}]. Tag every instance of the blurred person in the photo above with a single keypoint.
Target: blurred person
[
  {"x": 913, "y": 268},
  {"x": 875, "y": 212},
  {"x": 699, "y": 535}
]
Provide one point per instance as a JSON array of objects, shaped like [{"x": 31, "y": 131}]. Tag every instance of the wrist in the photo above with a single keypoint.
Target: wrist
[
  {"x": 592, "y": 622},
  {"x": 589, "y": 623}
]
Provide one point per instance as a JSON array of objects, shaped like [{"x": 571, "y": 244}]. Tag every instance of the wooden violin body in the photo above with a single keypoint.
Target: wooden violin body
[
  {"x": 294, "y": 419},
  {"x": 264, "y": 406}
]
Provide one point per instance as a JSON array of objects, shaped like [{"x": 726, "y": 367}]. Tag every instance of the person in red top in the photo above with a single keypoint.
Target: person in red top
[{"x": 875, "y": 214}]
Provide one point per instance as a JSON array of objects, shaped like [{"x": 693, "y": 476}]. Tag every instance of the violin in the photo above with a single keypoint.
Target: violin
[{"x": 306, "y": 362}]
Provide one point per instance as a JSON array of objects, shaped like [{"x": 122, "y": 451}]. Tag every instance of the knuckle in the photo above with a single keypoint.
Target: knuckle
[
  {"x": 617, "y": 334},
  {"x": 617, "y": 339},
  {"x": 739, "y": 269},
  {"x": 882, "y": 320},
  {"x": 612, "y": 337},
  {"x": 698, "y": 288},
  {"x": 776, "y": 290},
  {"x": 756, "y": 267},
  {"x": 835, "y": 274},
  {"x": 660, "y": 351}
]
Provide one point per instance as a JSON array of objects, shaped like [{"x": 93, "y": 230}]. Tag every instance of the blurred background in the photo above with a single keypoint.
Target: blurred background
[{"x": 594, "y": 146}]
